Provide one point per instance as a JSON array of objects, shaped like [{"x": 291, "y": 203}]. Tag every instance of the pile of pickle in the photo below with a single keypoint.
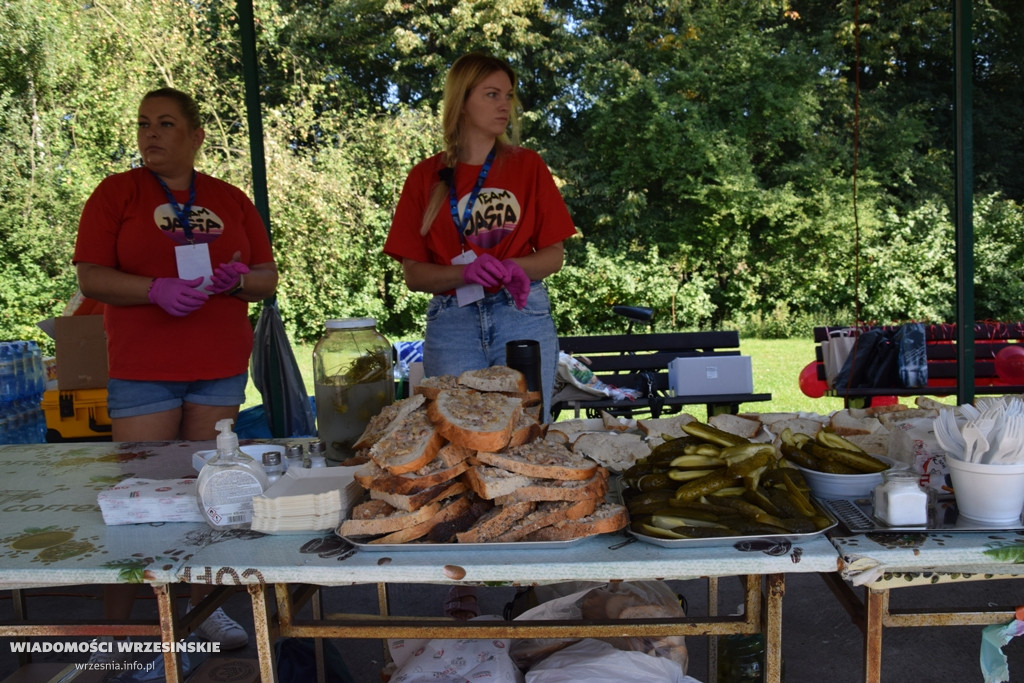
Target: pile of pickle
[
  {"x": 828, "y": 452},
  {"x": 712, "y": 484}
]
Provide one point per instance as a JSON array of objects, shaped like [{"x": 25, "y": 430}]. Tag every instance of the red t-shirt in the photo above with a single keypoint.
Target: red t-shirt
[
  {"x": 128, "y": 224},
  {"x": 518, "y": 211}
]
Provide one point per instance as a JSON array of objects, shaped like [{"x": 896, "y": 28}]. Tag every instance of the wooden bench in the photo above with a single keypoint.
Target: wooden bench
[
  {"x": 630, "y": 360},
  {"x": 940, "y": 346}
]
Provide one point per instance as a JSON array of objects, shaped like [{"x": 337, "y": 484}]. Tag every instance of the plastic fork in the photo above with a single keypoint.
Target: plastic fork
[
  {"x": 947, "y": 433},
  {"x": 1007, "y": 448},
  {"x": 975, "y": 434}
]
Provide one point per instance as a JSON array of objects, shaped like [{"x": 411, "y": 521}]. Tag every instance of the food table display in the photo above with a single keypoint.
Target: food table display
[{"x": 54, "y": 535}]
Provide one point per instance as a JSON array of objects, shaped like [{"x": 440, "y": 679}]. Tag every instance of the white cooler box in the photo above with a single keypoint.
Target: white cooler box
[{"x": 710, "y": 375}]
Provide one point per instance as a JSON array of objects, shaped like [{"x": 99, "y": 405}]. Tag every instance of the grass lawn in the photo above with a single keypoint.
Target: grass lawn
[{"x": 777, "y": 364}]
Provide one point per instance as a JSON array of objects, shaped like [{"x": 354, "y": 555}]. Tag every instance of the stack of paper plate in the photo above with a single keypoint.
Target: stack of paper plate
[{"x": 306, "y": 500}]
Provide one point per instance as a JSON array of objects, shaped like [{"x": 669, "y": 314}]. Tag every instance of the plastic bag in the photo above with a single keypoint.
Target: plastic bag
[
  {"x": 419, "y": 660},
  {"x": 835, "y": 350},
  {"x": 994, "y": 666},
  {"x": 572, "y": 372},
  {"x": 276, "y": 375},
  {"x": 596, "y": 661},
  {"x": 621, "y": 600}
]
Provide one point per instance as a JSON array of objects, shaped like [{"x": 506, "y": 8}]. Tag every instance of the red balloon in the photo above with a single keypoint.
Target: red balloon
[
  {"x": 809, "y": 382},
  {"x": 884, "y": 400},
  {"x": 1010, "y": 364}
]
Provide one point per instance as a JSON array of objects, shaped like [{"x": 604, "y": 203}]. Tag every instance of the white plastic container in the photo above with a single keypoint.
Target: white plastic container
[
  {"x": 899, "y": 500},
  {"x": 227, "y": 483}
]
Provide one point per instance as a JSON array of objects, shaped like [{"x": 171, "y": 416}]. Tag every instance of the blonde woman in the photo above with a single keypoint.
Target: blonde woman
[{"x": 480, "y": 225}]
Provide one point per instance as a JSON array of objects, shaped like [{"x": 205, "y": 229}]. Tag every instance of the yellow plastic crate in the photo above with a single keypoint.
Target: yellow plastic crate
[{"x": 76, "y": 415}]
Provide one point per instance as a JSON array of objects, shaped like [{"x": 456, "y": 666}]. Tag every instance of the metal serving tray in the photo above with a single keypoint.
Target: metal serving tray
[
  {"x": 414, "y": 546},
  {"x": 740, "y": 542},
  {"x": 857, "y": 516},
  {"x": 762, "y": 542}
]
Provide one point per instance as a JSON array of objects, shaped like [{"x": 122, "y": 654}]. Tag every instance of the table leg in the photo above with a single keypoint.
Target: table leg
[
  {"x": 877, "y": 604},
  {"x": 168, "y": 630},
  {"x": 776, "y": 585},
  {"x": 261, "y": 625}
]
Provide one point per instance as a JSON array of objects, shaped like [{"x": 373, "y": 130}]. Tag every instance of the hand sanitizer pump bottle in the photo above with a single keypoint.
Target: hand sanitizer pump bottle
[{"x": 228, "y": 482}]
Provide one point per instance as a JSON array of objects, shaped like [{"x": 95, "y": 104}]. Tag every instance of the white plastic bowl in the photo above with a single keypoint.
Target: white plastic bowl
[{"x": 826, "y": 485}]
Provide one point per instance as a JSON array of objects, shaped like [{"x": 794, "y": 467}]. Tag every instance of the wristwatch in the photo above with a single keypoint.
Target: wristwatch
[{"x": 239, "y": 287}]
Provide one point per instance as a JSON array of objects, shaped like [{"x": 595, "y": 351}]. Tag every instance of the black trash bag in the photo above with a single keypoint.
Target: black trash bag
[
  {"x": 296, "y": 662},
  {"x": 913, "y": 355},
  {"x": 276, "y": 374}
]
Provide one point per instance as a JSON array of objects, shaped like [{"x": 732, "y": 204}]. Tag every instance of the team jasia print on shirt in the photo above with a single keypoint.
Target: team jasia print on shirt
[
  {"x": 496, "y": 214},
  {"x": 206, "y": 225}
]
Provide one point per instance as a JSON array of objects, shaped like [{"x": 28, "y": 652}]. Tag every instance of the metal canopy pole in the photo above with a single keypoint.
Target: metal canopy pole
[
  {"x": 964, "y": 207},
  {"x": 254, "y": 117},
  {"x": 253, "y": 113}
]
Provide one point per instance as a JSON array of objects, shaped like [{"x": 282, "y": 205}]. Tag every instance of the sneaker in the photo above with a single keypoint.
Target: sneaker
[
  {"x": 220, "y": 628},
  {"x": 109, "y": 653}
]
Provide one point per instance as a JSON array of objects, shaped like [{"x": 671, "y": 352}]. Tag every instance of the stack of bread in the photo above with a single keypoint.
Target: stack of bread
[{"x": 466, "y": 460}]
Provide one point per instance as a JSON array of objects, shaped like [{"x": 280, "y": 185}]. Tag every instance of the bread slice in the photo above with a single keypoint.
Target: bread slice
[
  {"x": 468, "y": 513},
  {"x": 666, "y": 426},
  {"x": 549, "y": 489},
  {"x": 525, "y": 430},
  {"x": 617, "y": 424},
  {"x": 492, "y": 482},
  {"x": 413, "y": 443},
  {"x": 608, "y": 517},
  {"x": 614, "y": 450},
  {"x": 846, "y": 422},
  {"x": 386, "y": 420},
  {"x": 567, "y": 430},
  {"x": 546, "y": 514},
  {"x": 430, "y": 387},
  {"x": 734, "y": 424},
  {"x": 450, "y": 462},
  {"x": 450, "y": 509},
  {"x": 797, "y": 425},
  {"x": 375, "y": 517},
  {"x": 875, "y": 444},
  {"x": 468, "y": 418},
  {"x": 414, "y": 501},
  {"x": 495, "y": 378},
  {"x": 495, "y": 522},
  {"x": 542, "y": 459}
]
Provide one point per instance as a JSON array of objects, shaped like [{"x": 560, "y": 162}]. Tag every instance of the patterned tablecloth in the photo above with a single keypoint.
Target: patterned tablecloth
[
  {"x": 52, "y": 533},
  {"x": 894, "y": 560}
]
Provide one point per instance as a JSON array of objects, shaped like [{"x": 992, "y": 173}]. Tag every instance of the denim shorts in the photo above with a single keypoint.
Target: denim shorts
[
  {"x": 474, "y": 336},
  {"x": 129, "y": 397}
]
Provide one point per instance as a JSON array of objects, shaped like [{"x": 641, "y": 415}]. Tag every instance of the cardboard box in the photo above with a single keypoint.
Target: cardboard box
[
  {"x": 710, "y": 375},
  {"x": 81, "y": 352}
]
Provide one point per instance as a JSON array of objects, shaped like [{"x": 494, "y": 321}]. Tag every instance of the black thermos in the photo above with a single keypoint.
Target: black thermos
[{"x": 524, "y": 356}]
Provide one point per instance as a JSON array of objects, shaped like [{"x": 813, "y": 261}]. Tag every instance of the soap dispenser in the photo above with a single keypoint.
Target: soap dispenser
[{"x": 228, "y": 482}]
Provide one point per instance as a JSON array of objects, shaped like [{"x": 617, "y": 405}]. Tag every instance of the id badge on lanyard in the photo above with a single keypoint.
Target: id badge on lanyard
[
  {"x": 193, "y": 259},
  {"x": 469, "y": 293}
]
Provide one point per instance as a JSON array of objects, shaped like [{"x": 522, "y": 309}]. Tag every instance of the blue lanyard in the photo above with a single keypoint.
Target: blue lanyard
[
  {"x": 453, "y": 199},
  {"x": 182, "y": 212}
]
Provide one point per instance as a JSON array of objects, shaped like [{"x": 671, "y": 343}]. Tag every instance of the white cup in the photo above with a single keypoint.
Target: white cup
[{"x": 993, "y": 494}]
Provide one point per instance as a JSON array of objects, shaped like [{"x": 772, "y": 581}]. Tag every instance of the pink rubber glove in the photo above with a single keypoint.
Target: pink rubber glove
[
  {"x": 517, "y": 283},
  {"x": 226, "y": 276},
  {"x": 176, "y": 296},
  {"x": 485, "y": 270}
]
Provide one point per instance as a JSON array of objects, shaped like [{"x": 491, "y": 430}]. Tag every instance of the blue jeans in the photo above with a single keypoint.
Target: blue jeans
[
  {"x": 474, "y": 336},
  {"x": 130, "y": 398}
]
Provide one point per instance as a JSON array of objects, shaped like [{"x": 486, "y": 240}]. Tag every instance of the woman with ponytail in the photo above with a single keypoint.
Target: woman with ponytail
[{"x": 480, "y": 225}]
